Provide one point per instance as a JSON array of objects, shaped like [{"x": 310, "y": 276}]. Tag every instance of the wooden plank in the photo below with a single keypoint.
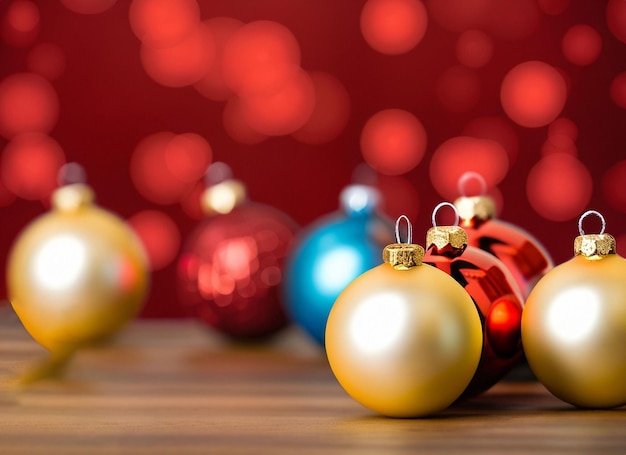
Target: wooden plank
[{"x": 174, "y": 387}]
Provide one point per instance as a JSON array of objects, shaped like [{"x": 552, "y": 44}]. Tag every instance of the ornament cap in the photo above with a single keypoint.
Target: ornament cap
[
  {"x": 403, "y": 256},
  {"x": 223, "y": 197},
  {"x": 476, "y": 208},
  {"x": 70, "y": 198},
  {"x": 446, "y": 237},
  {"x": 594, "y": 246}
]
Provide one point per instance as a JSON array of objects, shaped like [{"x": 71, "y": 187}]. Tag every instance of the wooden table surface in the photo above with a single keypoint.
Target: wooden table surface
[{"x": 173, "y": 387}]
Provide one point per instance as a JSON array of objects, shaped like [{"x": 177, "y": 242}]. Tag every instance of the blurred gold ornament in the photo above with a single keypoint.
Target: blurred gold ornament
[
  {"x": 403, "y": 339},
  {"x": 574, "y": 324},
  {"x": 75, "y": 275}
]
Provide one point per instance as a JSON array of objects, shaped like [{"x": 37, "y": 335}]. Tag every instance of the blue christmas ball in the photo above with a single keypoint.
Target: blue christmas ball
[{"x": 330, "y": 254}]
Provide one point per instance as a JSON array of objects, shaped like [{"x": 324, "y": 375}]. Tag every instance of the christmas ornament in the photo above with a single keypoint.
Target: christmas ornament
[
  {"x": 494, "y": 292},
  {"x": 403, "y": 339},
  {"x": 231, "y": 267},
  {"x": 574, "y": 324},
  {"x": 76, "y": 274},
  {"x": 331, "y": 254},
  {"x": 522, "y": 254}
]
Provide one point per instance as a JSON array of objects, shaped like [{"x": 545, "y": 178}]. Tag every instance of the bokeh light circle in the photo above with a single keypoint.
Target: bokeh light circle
[
  {"x": 20, "y": 25},
  {"x": 559, "y": 187},
  {"x": 281, "y": 111},
  {"x": 28, "y": 103},
  {"x": 159, "y": 23},
  {"x": 553, "y": 7},
  {"x": 533, "y": 94},
  {"x": 47, "y": 60},
  {"x": 474, "y": 48},
  {"x": 213, "y": 85},
  {"x": 581, "y": 44},
  {"x": 462, "y": 154},
  {"x": 562, "y": 136},
  {"x": 613, "y": 187},
  {"x": 458, "y": 89},
  {"x": 236, "y": 125},
  {"x": 563, "y": 127},
  {"x": 513, "y": 20},
  {"x": 497, "y": 129},
  {"x": 165, "y": 166},
  {"x": 88, "y": 6},
  {"x": 159, "y": 234},
  {"x": 460, "y": 15},
  {"x": 183, "y": 63},
  {"x": 393, "y": 141},
  {"x": 192, "y": 202},
  {"x": 393, "y": 26},
  {"x": 616, "y": 18},
  {"x": 187, "y": 157},
  {"x": 330, "y": 113},
  {"x": 617, "y": 90},
  {"x": 30, "y": 165},
  {"x": 260, "y": 57}
]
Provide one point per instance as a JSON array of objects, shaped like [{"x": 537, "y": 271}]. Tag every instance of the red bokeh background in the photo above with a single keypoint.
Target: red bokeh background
[{"x": 544, "y": 79}]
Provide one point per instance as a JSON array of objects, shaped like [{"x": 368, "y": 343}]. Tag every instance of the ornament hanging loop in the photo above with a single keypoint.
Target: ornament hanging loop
[
  {"x": 448, "y": 240},
  {"x": 71, "y": 173},
  {"x": 469, "y": 176},
  {"x": 586, "y": 214},
  {"x": 445, "y": 204},
  {"x": 403, "y": 256},
  {"x": 409, "y": 230}
]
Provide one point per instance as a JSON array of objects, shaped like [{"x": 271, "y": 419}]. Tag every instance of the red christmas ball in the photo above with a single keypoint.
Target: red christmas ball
[
  {"x": 521, "y": 253},
  {"x": 231, "y": 267},
  {"x": 495, "y": 294}
]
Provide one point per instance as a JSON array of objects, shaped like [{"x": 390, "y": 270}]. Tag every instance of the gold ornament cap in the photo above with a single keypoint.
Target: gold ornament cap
[
  {"x": 444, "y": 236},
  {"x": 481, "y": 208},
  {"x": 70, "y": 198},
  {"x": 73, "y": 193},
  {"x": 477, "y": 208},
  {"x": 223, "y": 193},
  {"x": 403, "y": 256},
  {"x": 593, "y": 246}
]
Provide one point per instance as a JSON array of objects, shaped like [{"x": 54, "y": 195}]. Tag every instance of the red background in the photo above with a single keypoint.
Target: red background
[{"x": 108, "y": 104}]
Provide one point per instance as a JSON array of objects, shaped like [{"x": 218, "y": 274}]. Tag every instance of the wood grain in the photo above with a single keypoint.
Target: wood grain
[{"x": 173, "y": 387}]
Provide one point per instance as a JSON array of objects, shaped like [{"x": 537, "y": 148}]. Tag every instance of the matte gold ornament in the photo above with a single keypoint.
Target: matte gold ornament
[
  {"x": 76, "y": 275},
  {"x": 403, "y": 339},
  {"x": 574, "y": 324}
]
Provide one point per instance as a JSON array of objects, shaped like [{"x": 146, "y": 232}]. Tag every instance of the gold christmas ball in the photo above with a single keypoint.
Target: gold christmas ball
[
  {"x": 574, "y": 326},
  {"x": 76, "y": 274},
  {"x": 403, "y": 339}
]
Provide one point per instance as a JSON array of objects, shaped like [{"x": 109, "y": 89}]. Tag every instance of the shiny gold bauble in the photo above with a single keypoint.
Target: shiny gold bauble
[
  {"x": 76, "y": 274},
  {"x": 574, "y": 327},
  {"x": 403, "y": 339}
]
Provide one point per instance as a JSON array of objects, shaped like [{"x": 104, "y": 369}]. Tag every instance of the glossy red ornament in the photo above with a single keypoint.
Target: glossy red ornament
[
  {"x": 231, "y": 267},
  {"x": 494, "y": 292},
  {"x": 521, "y": 253}
]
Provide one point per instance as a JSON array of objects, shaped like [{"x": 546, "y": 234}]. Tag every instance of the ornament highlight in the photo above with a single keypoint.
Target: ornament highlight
[
  {"x": 402, "y": 339},
  {"x": 521, "y": 253},
  {"x": 494, "y": 292},
  {"x": 573, "y": 325},
  {"x": 231, "y": 267},
  {"x": 76, "y": 274},
  {"x": 330, "y": 254}
]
